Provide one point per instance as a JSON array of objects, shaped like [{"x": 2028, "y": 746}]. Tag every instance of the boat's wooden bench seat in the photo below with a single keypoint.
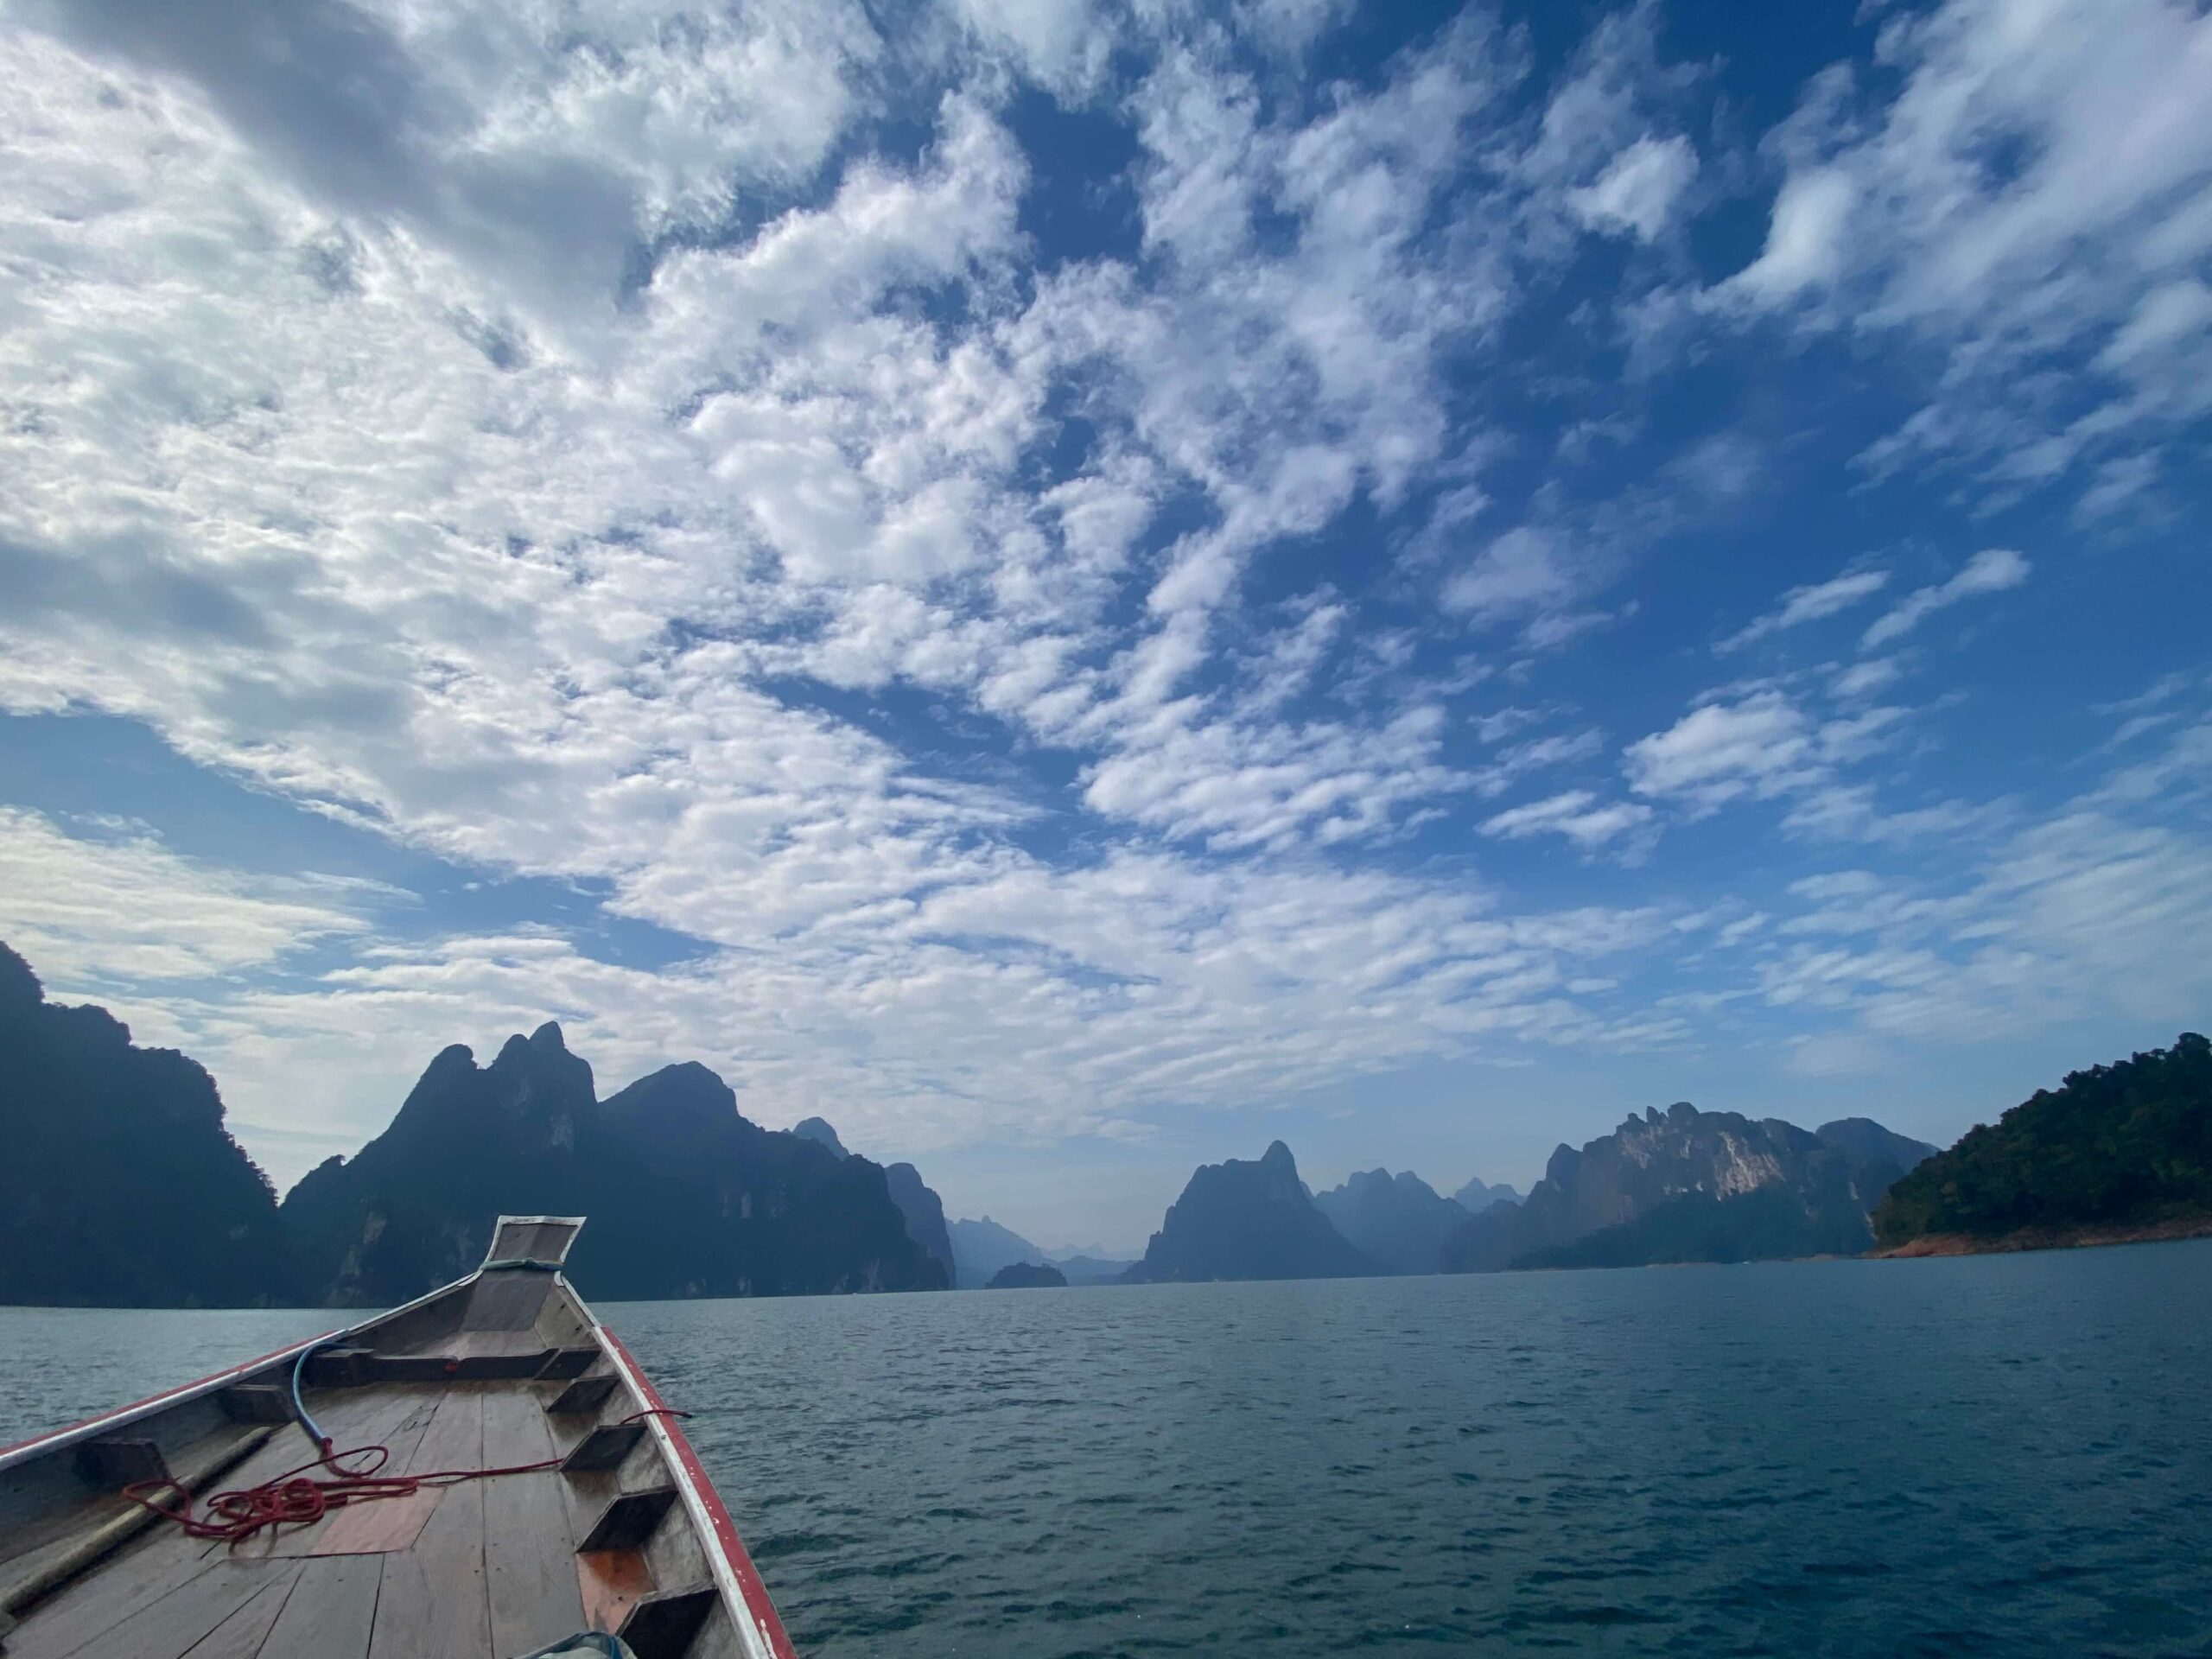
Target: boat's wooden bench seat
[{"x": 460, "y": 1362}]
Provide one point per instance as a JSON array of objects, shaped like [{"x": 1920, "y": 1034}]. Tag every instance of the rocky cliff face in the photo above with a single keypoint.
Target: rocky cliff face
[
  {"x": 1657, "y": 1190},
  {"x": 923, "y": 1210},
  {"x": 1398, "y": 1221},
  {"x": 121, "y": 1188},
  {"x": 1239, "y": 1220},
  {"x": 686, "y": 1196},
  {"x": 925, "y": 1213}
]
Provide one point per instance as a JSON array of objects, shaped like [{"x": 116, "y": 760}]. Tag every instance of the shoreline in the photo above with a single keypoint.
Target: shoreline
[{"x": 2045, "y": 1238}]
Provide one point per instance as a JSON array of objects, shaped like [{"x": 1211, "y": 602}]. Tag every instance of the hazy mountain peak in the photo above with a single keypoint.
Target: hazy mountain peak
[
  {"x": 818, "y": 1130},
  {"x": 1477, "y": 1195}
]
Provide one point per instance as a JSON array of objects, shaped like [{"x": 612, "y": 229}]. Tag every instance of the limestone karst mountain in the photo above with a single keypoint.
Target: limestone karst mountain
[
  {"x": 1248, "y": 1220},
  {"x": 1398, "y": 1221},
  {"x": 121, "y": 1188},
  {"x": 1685, "y": 1186},
  {"x": 686, "y": 1196}
]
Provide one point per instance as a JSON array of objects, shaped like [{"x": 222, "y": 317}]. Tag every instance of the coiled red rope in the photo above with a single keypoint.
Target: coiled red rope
[{"x": 299, "y": 1498}]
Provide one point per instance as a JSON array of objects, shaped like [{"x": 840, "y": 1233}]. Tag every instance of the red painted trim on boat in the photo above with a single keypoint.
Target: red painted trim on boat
[
  {"x": 170, "y": 1397},
  {"x": 749, "y": 1584}
]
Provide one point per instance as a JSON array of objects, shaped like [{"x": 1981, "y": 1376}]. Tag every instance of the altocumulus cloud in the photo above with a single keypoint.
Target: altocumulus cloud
[{"x": 1021, "y": 535}]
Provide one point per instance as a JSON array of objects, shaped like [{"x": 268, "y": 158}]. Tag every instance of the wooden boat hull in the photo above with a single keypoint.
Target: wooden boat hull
[{"x": 608, "y": 1523}]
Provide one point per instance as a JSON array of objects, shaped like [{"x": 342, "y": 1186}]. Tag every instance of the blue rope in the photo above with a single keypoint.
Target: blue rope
[{"x": 300, "y": 1405}]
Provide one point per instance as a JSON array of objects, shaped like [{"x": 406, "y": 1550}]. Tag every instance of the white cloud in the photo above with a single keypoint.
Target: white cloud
[
  {"x": 2033, "y": 189},
  {"x": 573, "y": 445},
  {"x": 1524, "y": 570},
  {"x": 1576, "y": 814},
  {"x": 1065, "y": 46},
  {"x": 1994, "y": 570},
  {"x": 90, "y": 911},
  {"x": 1759, "y": 744},
  {"x": 1809, "y": 604},
  {"x": 1637, "y": 192},
  {"x": 1805, "y": 241},
  {"x": 1141, "y": 984},
  {"x": 1865, "y": 678}
]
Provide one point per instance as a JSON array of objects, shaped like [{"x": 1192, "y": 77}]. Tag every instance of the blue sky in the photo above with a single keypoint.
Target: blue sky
[{"x": 1079, "y": 589}]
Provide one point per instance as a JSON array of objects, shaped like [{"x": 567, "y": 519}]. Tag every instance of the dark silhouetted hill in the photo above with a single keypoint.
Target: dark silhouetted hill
[
  {"x": 981, "y": 1248},
  {"x": 925, "y": 1213},
  {"x": 121, "y": 1188},
  {"x": 2112, "y": 1150},
  {"x": 923, "y": 1210},
  {"x": 1397, "y": 1221},
  {"x": 1239, "y": 1220},
  {"x": 818, "y": 1130},
  {"x": 1862, "y": 1138},
  {"x": 1027, "y": 1276},
  {"x": 686, "y": 1196}
]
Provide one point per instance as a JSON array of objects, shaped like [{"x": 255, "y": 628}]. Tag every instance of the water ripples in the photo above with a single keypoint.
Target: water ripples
[
  {"x": 2002, "y": 1455},
  {"x": 2005, "y": 1454}
]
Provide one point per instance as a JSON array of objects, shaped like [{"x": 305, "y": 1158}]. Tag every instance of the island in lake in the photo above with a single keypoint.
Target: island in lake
[{"x": 1029, "y": 1275}]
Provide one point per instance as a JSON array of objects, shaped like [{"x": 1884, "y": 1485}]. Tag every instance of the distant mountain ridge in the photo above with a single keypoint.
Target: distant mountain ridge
[
  {"x": 686, "y": 1196},
  {"x": 1091, "y": 1269},
  {"x": 156, "y": 1204},
  {"x": 1475, "y": 1198},
  {"x": 1670, "y": 1187},
  {"x": 1248, "y": 1220},
  {"x": 1397, "y": 1221},
  {"x": 980, "y": 1249}
]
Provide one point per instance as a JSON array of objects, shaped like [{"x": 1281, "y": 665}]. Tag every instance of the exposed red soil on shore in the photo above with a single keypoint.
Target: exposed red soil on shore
[{"x": 2050, "y": 1238}]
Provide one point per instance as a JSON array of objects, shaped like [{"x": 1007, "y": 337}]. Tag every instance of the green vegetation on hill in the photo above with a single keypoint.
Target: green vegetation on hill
[
  {"x": 1773, "y": 1222},
  {"x": 2115, "y": 1146}
]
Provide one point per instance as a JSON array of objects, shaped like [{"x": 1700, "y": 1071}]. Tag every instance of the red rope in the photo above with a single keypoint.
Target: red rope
[{"x": 298, "y": 1498}]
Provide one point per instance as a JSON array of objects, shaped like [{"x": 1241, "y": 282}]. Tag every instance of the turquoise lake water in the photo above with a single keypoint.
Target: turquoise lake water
[{"x": 1994, "y": 1455}]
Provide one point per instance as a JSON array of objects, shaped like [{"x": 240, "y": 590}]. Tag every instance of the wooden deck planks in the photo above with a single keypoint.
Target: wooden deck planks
[
  {"x": 240, "y": 1636},
  {"x": 379, "y": 1416},
  {"x": 432, "y": 1598},
  {"x": 529, "y": 1547},
  {"x": 151, "y": 1566},
  {"x": 171, "y": 1625},
  {"x": 387, "y": 1523},
  {"x": 330, "y": 1612}
]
